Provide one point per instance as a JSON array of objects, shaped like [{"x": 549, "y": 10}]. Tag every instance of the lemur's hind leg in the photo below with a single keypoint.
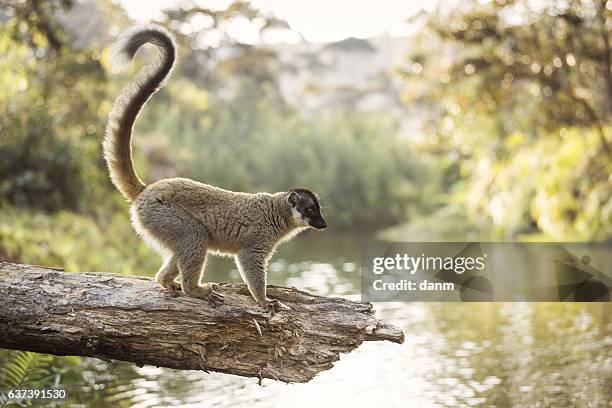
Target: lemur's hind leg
[
  {"x": 186, "y": 239},
  {"x": 191, "y": 258},
  {"x": 167, "y": 273}
]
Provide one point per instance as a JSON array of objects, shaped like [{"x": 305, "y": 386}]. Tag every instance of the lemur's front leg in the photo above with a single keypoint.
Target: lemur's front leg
[{"x": 253, "y": 264}]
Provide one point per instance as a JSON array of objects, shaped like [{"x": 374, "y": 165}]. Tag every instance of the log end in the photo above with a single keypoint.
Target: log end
[{"x": 386, "y": 331}]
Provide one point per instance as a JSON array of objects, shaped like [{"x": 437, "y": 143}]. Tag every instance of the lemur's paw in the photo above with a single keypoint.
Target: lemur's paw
[
  {"x": 208, "y": 291},
  {"x": 274, "y": 306},
  {"x": 172, "y": 286}
]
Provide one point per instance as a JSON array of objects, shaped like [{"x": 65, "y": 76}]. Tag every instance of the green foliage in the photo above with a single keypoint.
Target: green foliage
[
  {"x": 23, "y": 368},
  {"x": 65, "y": 239},
  {"x": 49, "y": 151},
  {"x": 574, "y": 190},
  {"x": 519, "y": 100},
  {"x": 562, "y": 187},
  {"x": 544, "y": 65},
  {"x": 38, "y": 168}
]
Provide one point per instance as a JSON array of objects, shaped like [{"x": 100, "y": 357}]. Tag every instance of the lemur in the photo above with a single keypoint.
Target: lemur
[{"x": 183, "y": 219}]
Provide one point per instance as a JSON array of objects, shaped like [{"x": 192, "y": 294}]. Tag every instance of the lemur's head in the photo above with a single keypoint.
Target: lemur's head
[{"x": 305, "y": 207}]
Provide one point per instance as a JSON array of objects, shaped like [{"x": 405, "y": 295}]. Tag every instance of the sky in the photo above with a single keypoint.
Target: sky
[{"x": 316, "y": 20}]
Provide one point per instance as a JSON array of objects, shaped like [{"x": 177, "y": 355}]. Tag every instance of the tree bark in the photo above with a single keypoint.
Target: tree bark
[{"x": 111, "y": 316}]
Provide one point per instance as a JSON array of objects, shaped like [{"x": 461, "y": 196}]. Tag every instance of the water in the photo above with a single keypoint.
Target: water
[{"x": 483, "y": 354}]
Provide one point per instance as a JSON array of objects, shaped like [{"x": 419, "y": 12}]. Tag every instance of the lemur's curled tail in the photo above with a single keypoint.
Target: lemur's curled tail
[{"x": 117, "y": 140}]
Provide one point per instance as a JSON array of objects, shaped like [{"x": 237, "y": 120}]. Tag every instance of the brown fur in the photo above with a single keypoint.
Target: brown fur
[{"x": 184, "y": 219}]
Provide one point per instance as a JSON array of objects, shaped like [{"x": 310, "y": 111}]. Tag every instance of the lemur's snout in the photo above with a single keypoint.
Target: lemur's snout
[{"x": 318, "y": 223}]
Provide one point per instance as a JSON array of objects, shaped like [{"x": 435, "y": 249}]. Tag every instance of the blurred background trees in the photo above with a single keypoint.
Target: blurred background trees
[
  {"x": 521, "y": 95},
  {"x": 49, "y": 116}
]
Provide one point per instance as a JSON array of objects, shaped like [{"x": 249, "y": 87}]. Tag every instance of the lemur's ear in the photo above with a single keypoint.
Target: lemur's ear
[{"x": 292, "y": 198}]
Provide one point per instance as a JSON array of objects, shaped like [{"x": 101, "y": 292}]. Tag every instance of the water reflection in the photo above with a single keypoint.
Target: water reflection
[{"x": 488, "y": 354}]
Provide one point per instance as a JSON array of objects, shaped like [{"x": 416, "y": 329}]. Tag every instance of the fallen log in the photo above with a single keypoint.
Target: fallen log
[{"x": 111, "y": 316}]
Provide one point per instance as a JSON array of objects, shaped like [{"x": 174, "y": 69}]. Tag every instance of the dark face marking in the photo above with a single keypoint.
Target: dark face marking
[{"x": 307, "y": 204}]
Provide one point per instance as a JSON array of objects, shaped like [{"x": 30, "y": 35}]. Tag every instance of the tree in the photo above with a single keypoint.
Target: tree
[
  {"x": 518, "y": 95},
  {"x": 51, "y": 120},
  {"x": 551, "y": 58}
]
